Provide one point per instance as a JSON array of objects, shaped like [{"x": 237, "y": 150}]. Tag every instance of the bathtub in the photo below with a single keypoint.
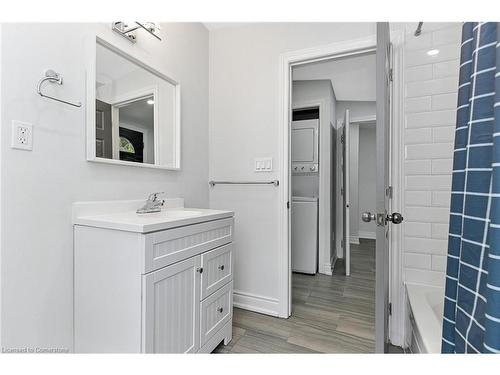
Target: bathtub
[{"x": 425, "y": 318}]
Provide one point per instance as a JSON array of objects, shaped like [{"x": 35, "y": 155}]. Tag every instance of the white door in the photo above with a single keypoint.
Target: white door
[
  {"x": 171, "y": 305},
  {"x": 345, "y": 192},
  {"x": 383, "y": 190}
]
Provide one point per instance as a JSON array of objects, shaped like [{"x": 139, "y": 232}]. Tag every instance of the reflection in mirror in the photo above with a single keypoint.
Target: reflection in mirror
[
  {"x": 135, "y": 112},
  {"x": 136, "y": 131}
]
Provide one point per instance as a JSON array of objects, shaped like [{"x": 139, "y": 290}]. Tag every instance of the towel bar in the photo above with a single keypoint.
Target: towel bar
[{"x": 273, "y": 182}]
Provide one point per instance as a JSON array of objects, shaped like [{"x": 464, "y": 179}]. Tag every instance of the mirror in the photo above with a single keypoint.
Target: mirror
[{"x": 135, "y": 117}]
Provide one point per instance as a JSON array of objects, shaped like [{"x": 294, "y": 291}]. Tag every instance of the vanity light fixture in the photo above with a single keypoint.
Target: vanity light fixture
[
  {"x": 433, "y": 52},
  {"x": 129, "y": 30}
]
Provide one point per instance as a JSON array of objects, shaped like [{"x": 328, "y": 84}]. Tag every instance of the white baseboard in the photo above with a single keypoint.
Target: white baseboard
[
  {"x": 367, "y": 235},
  {"x": 253, "y": 302},
  {"x": 325, "y": 269}
]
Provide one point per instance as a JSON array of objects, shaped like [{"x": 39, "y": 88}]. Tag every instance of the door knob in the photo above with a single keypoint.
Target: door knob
[
  {"x": 367, "y": 217},
  {"x": 395, "y": 218}
]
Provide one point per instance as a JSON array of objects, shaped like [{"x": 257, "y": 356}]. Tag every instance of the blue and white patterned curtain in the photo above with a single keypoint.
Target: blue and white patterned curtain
[{"x": 472, "y": 301}]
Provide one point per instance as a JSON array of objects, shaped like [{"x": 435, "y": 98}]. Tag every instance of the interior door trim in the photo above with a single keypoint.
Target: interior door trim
[{"x": 287, "y": 61}]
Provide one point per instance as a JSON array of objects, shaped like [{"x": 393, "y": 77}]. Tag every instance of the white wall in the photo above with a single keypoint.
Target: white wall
[
  {"x": 358, "y": 110},
  {"x": 1, "y": 194},
  {"x": 367, "y": 179},
  {"x": 38, "y": 187},
  {"x": 244, "y": 124},
  {"x": 305, "y": 93},
  {"x": 354, "y": 183},
  {"x": 431, "y": 99}
]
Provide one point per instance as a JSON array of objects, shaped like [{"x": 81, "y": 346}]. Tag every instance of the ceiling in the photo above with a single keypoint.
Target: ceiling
[
  {"x": 138, "y": 113},
  {"x": 353, "y": 78},
  {"x": 223, "y": 25}
]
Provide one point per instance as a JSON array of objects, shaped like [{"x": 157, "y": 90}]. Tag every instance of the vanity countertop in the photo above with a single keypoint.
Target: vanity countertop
[{"x": 120, "y": 215}]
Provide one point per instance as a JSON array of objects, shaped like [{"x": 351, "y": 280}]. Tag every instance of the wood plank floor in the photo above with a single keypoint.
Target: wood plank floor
[{"x": 330, "y": 314}]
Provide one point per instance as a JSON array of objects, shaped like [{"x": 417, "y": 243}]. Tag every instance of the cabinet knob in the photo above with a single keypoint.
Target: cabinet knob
[
  {"x": 221, "y": 267},
  {"x": 199, "y": 270},
  {"x": 220, "y": 309}
]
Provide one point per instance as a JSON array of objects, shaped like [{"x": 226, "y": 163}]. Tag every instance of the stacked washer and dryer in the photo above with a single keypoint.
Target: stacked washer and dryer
[{"x": 305, "y": 183}]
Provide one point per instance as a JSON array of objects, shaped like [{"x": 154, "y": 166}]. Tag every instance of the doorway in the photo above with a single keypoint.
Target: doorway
[
  {"x": 325, "y": 161},
  {"x": 381, "y": 45}
]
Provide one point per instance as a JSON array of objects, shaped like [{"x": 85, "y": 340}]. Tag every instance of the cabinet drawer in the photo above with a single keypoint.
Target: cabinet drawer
[
  {"x": 216, "y": 310},
  {"x": 173, "y": 245},
  {"x": 217, "y": 269}
]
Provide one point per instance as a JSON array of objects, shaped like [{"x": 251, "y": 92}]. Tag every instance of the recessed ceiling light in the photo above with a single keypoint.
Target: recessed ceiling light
[
  {"x": 150, "y": 101},
  {"x": 433, "y": 52}
]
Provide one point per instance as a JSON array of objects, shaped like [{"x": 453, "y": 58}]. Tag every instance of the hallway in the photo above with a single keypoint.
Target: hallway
[{"x": 330, "y": 314}]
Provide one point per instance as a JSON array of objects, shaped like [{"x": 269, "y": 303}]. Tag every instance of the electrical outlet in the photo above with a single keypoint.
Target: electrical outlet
[{"x": 22, "y": 135}]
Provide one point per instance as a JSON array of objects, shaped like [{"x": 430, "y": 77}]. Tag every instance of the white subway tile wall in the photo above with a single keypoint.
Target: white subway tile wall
[{"x": 431, "y": 83}]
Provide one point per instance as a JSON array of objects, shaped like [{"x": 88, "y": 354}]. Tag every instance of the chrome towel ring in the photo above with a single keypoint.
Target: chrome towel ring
[{"x": 53, "y": 77}]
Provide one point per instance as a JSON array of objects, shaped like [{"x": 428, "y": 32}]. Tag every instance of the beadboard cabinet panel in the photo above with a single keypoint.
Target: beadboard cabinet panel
[
  {"x": 170, "y": 308},
  {"x": 170, "y": 246}
]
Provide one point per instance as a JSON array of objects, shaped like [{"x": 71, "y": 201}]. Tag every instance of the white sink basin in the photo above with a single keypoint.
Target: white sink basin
[
  {"x": 171, "y": 214},
  {"x": 111, "y": 216}
]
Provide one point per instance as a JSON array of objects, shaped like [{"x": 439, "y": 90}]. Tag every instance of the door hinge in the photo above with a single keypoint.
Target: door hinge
[
  {"x": 341, "y": 191},
  {"x": 389, "y": 308},
  {"x": 342, "y": 139},
  {"x": 391, "y": 72},
  {"x": 388, "y": 192},
  {"x": 288, "y": 205},
  {"x": 342, "y": 244}
]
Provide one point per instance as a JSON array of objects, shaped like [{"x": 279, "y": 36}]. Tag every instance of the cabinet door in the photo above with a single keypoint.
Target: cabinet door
[{"x": 171, "y": 305}]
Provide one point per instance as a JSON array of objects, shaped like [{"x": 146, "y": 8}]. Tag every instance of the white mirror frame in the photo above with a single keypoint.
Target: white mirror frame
[{"x": 91, "y": 98}]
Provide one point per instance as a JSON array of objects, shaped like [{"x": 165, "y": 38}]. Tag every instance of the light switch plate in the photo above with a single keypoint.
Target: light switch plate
[
  {"x": 22, "y": 135},
  {"x": 263, "y": 165}
]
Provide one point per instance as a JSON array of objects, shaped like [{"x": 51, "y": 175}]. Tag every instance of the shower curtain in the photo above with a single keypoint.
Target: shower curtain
[{"x": 471, "y": 321}]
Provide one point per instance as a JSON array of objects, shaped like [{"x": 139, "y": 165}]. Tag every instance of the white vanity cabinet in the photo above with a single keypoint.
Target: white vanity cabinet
[{"x": 167, "y": 291}]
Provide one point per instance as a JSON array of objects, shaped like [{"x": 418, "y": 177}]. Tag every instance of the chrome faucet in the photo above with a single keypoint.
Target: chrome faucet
[{"x": 153, "y": 204}]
